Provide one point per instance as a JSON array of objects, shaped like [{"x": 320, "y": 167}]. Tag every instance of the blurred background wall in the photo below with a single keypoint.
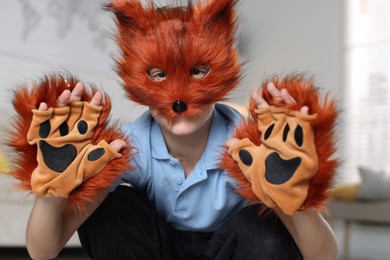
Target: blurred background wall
[{"x": 276, "y": 37}]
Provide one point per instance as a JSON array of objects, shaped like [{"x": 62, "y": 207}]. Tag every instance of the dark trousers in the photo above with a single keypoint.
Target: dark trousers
[{"x": 127, "y": 226}]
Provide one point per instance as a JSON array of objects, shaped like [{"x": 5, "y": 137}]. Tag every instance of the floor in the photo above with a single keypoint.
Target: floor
[
  {"x": 21, "y": 254},
  {"x": 73, "y": 254}
]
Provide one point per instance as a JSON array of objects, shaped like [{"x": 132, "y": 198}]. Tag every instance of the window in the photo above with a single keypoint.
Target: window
[{"x": 366, "y": 112}]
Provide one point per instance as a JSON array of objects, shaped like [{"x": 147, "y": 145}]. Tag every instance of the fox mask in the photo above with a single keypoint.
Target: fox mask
[{"x": 177, "y": 41}]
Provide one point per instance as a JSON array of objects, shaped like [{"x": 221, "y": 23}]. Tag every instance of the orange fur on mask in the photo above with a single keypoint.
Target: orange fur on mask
[
  {"x": 305, "y": 94},
  {"x": 48, "y": 90},
  {"x": 176, "y": 39}
]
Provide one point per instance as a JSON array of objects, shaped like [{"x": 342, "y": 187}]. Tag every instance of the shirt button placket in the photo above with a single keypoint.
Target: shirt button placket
[
  {"x": 179, "y": 181},
  {"x": 172, "y": 162}
]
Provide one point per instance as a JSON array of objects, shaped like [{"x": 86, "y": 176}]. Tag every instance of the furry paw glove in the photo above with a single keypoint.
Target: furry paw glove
[
  {"x": 66, "y": 157},
  {"x": 281, "y": 168},
  {"x": 283, "y": 157},
  {"x": 65, "y": 151}
]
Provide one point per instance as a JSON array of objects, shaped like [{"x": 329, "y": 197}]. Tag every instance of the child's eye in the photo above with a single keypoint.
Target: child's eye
[
  {"x": 156, "y": 74},
  {"x": 200, "y": 71}
]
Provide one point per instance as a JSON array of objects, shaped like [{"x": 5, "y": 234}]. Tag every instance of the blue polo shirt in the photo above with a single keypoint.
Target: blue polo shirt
[{"x": 202, "y": 201}]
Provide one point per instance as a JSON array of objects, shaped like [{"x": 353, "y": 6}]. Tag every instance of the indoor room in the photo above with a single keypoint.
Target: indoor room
[{"x": 343, "y": 46}]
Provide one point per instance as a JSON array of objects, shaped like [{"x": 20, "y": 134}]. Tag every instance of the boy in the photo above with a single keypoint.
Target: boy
[{"x": 179, "y": 62}]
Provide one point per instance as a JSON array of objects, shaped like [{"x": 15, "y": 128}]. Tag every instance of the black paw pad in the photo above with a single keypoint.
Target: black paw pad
[
  {"x": 278, "y": 170},
  {"x": 57, "y": 159},
  {"x": 44, "y": 129},
  {"x": 245, "y": 157},
  {"x": 82, "y": 126},
  {"x": 96, "y": 154},
  {"x": 298, "y": 135},
  {"x": 64, "y": 129},
  {"x": 268, "y": 131},
  {"x": 285, "y": 132}
]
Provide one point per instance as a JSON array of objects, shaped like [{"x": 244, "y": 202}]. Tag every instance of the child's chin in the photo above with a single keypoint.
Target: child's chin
[{"x": 183, "y": 128}]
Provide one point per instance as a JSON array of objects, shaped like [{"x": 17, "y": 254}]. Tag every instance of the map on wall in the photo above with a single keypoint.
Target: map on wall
[
  {"x": 65, "y": 15},
  {"x": 71, "y": 32}
]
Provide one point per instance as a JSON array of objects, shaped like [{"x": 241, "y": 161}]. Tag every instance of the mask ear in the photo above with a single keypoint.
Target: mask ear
[
  {"x": 130, "y": 15},
  {"x": 219, "y": 15}
]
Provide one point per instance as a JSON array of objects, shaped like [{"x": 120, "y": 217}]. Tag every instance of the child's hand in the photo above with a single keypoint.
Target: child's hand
[
  {"x": 68, "y": 96},
  {"x": 281, "y": 154},
  {"x": 67, "y": 155},
  {"x": 65, "y": 143},
  {"x": 280, "y": 169},
  {"x": 281, "y": 97}
]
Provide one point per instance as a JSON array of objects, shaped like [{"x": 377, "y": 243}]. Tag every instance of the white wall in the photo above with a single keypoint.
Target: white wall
[
  {"x": 294, "y": 36},
  {"x": 43, "y": 36},
  {"x": 282, "y": 36}
]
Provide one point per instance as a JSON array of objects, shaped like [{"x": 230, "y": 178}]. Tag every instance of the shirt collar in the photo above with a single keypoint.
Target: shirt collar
[
  {"x": 159, "y": 147},
  {"x": 217, "y": 138}
]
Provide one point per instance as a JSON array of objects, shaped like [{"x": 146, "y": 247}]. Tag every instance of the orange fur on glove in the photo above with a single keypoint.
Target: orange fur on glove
[
  {"x": 283, "y": 156},
  {"x": 64, "y": 151}
]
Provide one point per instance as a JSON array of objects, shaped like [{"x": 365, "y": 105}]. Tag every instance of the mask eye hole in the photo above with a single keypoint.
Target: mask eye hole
[
  {"x": 200, "y": 71},
  {"x": 156, "y": 74}
]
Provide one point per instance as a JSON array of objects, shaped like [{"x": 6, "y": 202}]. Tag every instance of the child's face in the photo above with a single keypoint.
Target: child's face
[
  {"x": 174, "y": 117},
  {"x": 178, "y": 61},
  {"x": 182, "y": 125}
]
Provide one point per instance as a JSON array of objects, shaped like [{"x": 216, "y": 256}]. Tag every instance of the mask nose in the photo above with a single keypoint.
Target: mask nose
[{"x": 179, "y": 106}]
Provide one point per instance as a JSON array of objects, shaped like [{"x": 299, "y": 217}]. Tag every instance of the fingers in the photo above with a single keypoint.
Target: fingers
[
  {"x": 77, "y": 92},
  {"x": 278, "y": 96},
  {"x": 63, "y": 99},
  {"x": 231, "y": 141},
  {"x": 75, "y": 95},
  {"x": 287, "y": 98},
  {"x": 43, "y": 106},
  {"x": 304, "y": 110},
  {"x": 259, "y": 101},
  {"x": 274, "y": 91},
  {"x": 117, "y": 144},
  {"x": 71, "y": 96},
  {"x": 97, "y": 99}
]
